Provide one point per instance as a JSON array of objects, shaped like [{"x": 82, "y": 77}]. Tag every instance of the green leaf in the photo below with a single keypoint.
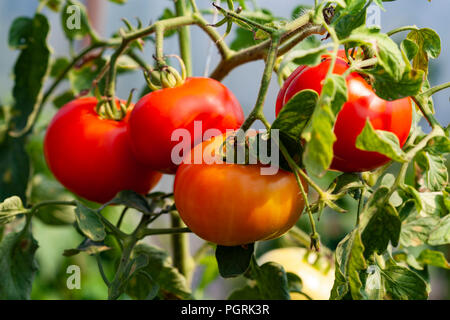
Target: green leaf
[
  {"x": 15, "y": 169},
  {"x": 379, "y": 225},
  {"x": 54, "y": 5},
  {"x": 308, "y": 57},
  {"x": 400, "y": 283},
  {"x": 349, "y": 263},
  {"x": 10, "y": 208},
  {"x": 74, "y": 20},
  {"x": 63, "y": 99},
  {"x": 294, "y": 116},
  {"x": 31, "y": 66},
  {"x": 17, "y": 265},
  {"x": 433, "y": 258},
  {"x": 58, "y": 66},
  {"x": 441, "y": 233},
  {"x": 319, "y": 133},
  {"x": 416, "y": 230},
  {"x": 88, "y": 246},
  {"x": 435, "y": 170},
  {"x": 89, "y": 223},
  {"x": 234, "y": 261},
  {"x": 81, "y": 79},
  {"x": 389, "y": 88},
  {"x": 248, "y": 292},
  {"x": 383, "y": 142},
  {"x": 209, "y": 274},
  {"x": 349, "y": 18},
  {"x": 272, "y": 281},
  {"x": 409, "y": 48},
  {"x": 133, "y": 200},
  {"x": 429, "y": 45},
  {"x": 158, "y": 277}
]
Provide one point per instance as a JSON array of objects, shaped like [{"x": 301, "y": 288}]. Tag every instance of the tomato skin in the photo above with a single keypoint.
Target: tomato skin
[
  {"x": 393, "y": 116},
  {"x": 91, "y": 156},
  {"x": 159, "y": 113},
  {"x": 231, "y": 204}
]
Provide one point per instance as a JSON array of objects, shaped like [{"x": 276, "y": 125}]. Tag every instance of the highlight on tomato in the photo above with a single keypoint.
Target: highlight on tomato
[
  {"x": 234, "y": 204},
  {"x": 91, "y": 156},
  {"x": 317, "y": 275},
  {"x": 363, "y": 103},
  {"x": 157, "y": 116}
]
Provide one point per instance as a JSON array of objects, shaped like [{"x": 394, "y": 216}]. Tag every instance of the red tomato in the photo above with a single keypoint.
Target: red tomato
[
  {"x": 91, "y": 156},
  {"x": 363, "y": 103},
  {"x": 158, "y": 114},
  {"x": 232, "y": 204}
]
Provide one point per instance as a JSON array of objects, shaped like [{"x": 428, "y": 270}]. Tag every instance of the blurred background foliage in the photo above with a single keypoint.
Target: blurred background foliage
[{"x": 54, "y": 231}]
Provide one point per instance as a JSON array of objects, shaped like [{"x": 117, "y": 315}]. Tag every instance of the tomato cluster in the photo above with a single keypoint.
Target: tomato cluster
[{"x": 224, "y": 203}]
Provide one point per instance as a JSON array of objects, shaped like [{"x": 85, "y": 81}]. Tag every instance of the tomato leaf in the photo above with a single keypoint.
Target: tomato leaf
[
  {"x": 156, "y": 278},
  {"x": 401, "y": 283},
  {"x": 350, "y": 262},
  {"x": 248, "y": 292},
  {"x": 383, "y": 142},
  {"x": 234, "y": 261},
  {"x": 88, "y": 246},
  {"x": 15, "y": 169},
  {"x": 389, "y": 88},
  {"x": 10, "y": 208},
  {"x": 379, "y": 225},
  {"x": 433, "y": 258},
  {"x": 435, "y": 170},
  {"x": 309, "y": 57},
  {"x": 272, "y": 281},
  {"x": 429, "y": 46},
  {"x": 441, "y": 233},
  {"x": 17, "y": 265},
  {"x": 81, "y": 79},
  {"x": 319, "y": 133},
  {"x": 294, "y": 116},
  {"x": 89, "y": 223},
  {"x": 31, "y": 68},
  {"x": 349, "y": 18},
  {"x": 409, "y": 48},
  {"x": 133, "y": 200}
]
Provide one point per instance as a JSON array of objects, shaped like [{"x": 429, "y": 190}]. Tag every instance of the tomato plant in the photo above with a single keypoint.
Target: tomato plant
[
  {"x": 352, "y": 173},
  {"x": 158, "y": 114},
  {"x": 362, "y": 103}
]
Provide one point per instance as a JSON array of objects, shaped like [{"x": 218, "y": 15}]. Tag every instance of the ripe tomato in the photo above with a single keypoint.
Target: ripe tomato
[
  {"x": 363, "y": 103},
  {"x": 317, "y": 282},
  {"x": 231, "y": 204},
  {"x": 158, "y": 114},
  {"x": 91, "y": 156}
]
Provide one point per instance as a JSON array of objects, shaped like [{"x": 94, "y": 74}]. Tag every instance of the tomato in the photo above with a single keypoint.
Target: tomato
[
  {"x": 91, "y": 156},
  {"x": 393, "y": 116},
  {"x": 317, "y": 282},
  {"x": 158, "y": 114},
  {"x": 232, "y": 204}
]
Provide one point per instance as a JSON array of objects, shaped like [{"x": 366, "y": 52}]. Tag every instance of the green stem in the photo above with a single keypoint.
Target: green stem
[
  {"x": 194, "y": 6},
  {"x": 165, "y": 231},
  {"x": 401, "y": 29},
  {"x": 428, "y": 116},
  {"x": 180, "y": 243},
  {"x": 257, "y": 112},
  {"x": 436, "y": 132},
  {"x": 184, "y": 37},
  {"x": 122, "y": 216},
  {"x": 102, "y": 271},
  {"x": 436, "y": 89}
]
